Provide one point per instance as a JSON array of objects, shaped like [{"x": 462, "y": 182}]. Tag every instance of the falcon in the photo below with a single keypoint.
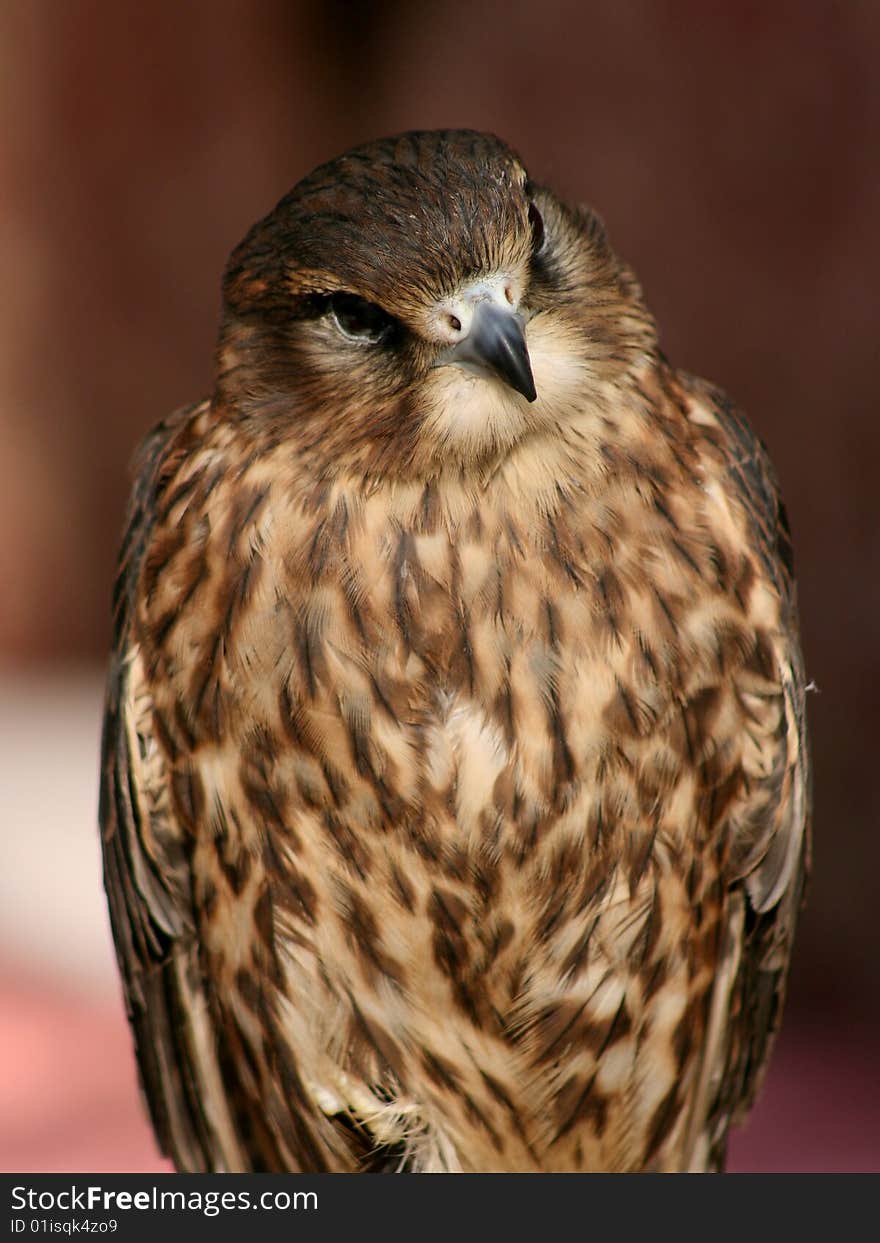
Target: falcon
[{"x": 455, "y": 783}]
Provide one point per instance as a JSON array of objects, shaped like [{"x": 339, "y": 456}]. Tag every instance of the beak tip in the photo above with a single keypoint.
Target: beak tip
[{"x": 519, "y": 375}]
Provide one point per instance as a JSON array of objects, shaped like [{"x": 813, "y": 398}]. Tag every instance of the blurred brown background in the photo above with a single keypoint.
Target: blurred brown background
[{"x": 733, "y": 152}]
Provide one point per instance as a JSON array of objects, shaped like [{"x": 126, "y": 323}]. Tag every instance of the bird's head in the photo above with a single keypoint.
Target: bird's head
[{"x": 419, "y": 302}]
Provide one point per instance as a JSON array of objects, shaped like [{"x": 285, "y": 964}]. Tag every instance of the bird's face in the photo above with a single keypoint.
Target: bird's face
[{"x": 417, "y": 303}]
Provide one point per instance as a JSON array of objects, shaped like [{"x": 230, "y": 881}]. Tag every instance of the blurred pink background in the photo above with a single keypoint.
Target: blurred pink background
[{"x": 732, "y": 152}]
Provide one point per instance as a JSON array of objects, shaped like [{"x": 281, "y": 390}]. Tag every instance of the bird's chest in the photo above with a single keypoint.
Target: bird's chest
[
  {"x": 366, "y": 655},
  {"x": 425, "y": 753},
  {"x": 466, "y": 685},
  {"x": 484, "y": 672}
]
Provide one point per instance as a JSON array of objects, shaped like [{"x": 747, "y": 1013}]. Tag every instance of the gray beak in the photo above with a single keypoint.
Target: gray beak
[{"x": 496, "y": 345}]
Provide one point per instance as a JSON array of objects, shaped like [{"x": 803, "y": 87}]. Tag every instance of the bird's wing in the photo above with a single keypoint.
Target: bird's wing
[
  {"x": 770, "y": 825},
  {"x": 146, "y": 875}
]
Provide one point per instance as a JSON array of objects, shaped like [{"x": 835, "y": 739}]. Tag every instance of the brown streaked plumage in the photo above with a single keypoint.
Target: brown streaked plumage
[{"x": 455, "y": 779}]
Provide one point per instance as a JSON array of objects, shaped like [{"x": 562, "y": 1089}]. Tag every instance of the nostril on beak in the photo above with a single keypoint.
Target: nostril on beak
[{"x": 495, "y": 344}]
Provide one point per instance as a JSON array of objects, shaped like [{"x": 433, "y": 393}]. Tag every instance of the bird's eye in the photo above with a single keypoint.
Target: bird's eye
[
  {"x": 359, "y": 319},
  {"x": 536, "y": 224}
]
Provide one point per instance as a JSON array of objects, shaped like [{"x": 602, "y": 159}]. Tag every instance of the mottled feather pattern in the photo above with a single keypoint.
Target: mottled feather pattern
[{"x": 455, "y": 784}]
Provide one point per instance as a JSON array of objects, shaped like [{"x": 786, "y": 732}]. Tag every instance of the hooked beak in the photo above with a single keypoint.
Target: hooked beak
[{"x": 496, "y": 345}]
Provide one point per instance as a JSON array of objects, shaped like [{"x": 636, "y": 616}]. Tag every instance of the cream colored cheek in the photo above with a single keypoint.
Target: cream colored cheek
[
  {"x": 557, "y": 366},
  {"x": 471, "y": 410}
]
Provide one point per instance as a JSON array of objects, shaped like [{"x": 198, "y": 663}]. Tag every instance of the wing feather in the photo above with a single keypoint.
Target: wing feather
[
  {"x": 146, "y": 876},
  {"x": 771, "y": 846}
]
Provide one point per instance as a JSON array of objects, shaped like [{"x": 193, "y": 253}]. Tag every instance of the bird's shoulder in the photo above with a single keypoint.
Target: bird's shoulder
[{"x": 741, "y": 464}]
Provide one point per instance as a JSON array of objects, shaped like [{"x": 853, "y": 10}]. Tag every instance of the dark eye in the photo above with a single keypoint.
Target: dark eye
[
  {"x": 536, "y": 224},
  {"x": 359, "y": 319}
]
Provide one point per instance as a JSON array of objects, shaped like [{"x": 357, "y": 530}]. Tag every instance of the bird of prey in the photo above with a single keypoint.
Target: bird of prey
[{"x": 455, "y": 788}]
